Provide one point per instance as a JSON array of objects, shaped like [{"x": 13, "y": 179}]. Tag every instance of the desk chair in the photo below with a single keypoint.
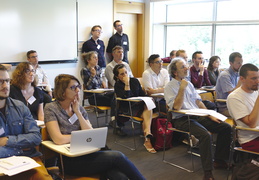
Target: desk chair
[
  {"x": 133, "y": 119},
  {"x": 97, "y": 109},
  {"x": 169, "y": 118},
  {"x": 47, "y": 153}
]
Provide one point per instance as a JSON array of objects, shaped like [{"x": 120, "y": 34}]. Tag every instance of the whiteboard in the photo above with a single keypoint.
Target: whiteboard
[{"x": 47, "y": 26}]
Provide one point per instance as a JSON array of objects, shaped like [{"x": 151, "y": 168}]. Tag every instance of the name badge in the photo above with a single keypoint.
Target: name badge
[
  {"x": 98, "y": 47},
  {"x": 125, "y": 43},
  {"x": 31, "y": 100},
  {"x": 2, "y": 131},
  {"x": 73, "y": 119}
]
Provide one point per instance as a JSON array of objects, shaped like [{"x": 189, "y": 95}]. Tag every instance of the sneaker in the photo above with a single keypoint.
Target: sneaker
[{"x": 119, "y": 132}]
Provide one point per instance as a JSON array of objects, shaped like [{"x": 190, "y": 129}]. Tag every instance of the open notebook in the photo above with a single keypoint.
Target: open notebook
[{"x": 87, "y": 140}]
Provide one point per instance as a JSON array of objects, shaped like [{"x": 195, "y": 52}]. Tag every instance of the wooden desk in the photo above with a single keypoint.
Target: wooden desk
[
  {"x": 98, "y": 91},
  {"x": 62, "y": 150}
]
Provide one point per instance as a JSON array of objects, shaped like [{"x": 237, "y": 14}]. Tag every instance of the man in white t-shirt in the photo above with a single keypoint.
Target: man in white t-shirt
[
  {"x": 243, "y": 106},
  {"x": 155, "y": 78}
]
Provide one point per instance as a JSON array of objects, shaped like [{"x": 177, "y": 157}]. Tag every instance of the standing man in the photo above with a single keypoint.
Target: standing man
[
  {"x": 19, "y": 133},
  {"x": 243, "y": 105},
  {"x": 228, "y": 81},
  {"x": 43, "y": 82},
  {"x": 199, "y": 75},
  {"x": 119, "y": 38},
  {"x": 117, "y": 53},
  {"x": 95, "y": 44},
  {"x": 181, "y": 94}
]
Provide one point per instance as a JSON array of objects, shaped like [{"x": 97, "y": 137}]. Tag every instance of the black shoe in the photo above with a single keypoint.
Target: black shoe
[{"x": 119, "y": 132}]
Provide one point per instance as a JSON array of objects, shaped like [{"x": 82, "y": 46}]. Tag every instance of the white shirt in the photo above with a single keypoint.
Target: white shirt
[
  {"x": 42, "y": 78},
  {"x": 240, "y": 104},
  {"x": 109, "y": 71},
  {"x": 151, "y": 80}
]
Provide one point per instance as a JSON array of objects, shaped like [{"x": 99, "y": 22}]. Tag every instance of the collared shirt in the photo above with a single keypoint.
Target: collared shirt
[
  {"x": 226, "y": 82},
  {"x": 91, "y": 82},
  {"x": 20, "y": 128},
  {"x": 42, "y": 78},
  {"x": 241, "y": 104},
  {"x": 109, "y": 71},
  {"x": 54, "y": 112},
  {"x": 121, "y": 40},
  {"x": 198, "y": 80},
  {"x": 90, "y": 45},
  {"x": 151, "y": 80},
  {"x": 190, "y": 96}
]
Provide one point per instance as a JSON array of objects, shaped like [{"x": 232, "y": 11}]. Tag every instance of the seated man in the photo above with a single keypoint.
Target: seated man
[
  {"x": 169, "y": 59},
  {"x": 155, "y": 78},
  {"x": 43, "y": 82},
  {"x": 228, "y": 81},
  {"x": 180, "y": 94},
  {"x": 19, "y": 133},
  {"x": 199, "y": 75},
  {"x": 243, "y": 105},
  {"x": 117, "y": 53}
]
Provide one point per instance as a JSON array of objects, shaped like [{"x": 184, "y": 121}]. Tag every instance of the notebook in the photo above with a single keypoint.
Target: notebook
[{"x": 87, "y": 140}]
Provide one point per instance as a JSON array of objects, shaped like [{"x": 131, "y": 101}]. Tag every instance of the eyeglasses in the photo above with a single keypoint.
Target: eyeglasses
[
  {"x": 4, "y": 80},
  {"x": 33, "y": 56},
  {"x": 158, "y": 62},
  {"x": 28, "y": 71},
  {"x": 119, "y": 25},
  {"x": 99, "y": 31},
  {"x": 73, "y": 88}
]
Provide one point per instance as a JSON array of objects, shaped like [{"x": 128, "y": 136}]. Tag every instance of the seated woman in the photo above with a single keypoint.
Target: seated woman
[
  {"x": 126, "y": 87},
  {"x": 91, "y": 76},
  {"x": 213, "y": 69},
  {"x": 23, "y": 88},
  {"x": 109, "y": 164}
]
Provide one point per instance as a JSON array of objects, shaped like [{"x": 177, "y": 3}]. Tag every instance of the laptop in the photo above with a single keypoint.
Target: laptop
[{"x": 87, "y": 140}]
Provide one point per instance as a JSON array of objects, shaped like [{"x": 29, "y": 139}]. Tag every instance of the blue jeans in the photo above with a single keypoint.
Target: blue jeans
[{"x": 109, "y": 164}]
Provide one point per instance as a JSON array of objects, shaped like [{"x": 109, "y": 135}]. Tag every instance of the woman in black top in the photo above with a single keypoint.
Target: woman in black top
[
  {"x": 213, "y": 70},
  {"x": 23, "y": 88},
  {"x": 126, "y": 87}
]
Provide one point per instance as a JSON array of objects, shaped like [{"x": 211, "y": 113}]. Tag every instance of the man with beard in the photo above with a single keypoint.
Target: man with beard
[
  {"x": 228, "y": 81},
  {"x": 243, "y": 105},
  {"x": 19, "y": 133}
]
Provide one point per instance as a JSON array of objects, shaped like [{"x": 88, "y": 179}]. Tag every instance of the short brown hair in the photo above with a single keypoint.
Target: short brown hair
[
  {"x": 30, "y": 52},
  {"x": 87, "y": 56},
  {"x": 61, "y": 83},
  {"x": 19, "y": 75},
  {"x": 116, "y": 47}
]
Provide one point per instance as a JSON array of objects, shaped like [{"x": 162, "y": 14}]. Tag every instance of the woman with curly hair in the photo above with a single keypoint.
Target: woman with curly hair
[{"x": 23, "y": 88}]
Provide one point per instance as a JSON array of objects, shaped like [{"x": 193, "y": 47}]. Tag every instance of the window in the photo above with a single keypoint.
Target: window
[{"x": 215, "y": 27}]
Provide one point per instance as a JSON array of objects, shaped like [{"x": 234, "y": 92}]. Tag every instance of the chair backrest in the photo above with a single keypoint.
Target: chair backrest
[{"x": 207, "y": 96}]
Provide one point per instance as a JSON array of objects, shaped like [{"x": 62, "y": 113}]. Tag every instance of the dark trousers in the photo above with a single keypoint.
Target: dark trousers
[{"x": 199, "y": 127}]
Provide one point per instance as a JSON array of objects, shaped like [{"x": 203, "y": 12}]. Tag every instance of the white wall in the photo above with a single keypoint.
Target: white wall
[{"x": 90, "y": 13}]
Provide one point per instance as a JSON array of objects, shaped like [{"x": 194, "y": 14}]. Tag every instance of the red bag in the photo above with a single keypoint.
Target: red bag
[{"x": 158, "y": 129}]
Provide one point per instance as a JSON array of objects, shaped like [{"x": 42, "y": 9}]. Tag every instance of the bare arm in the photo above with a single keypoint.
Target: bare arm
[
  {"x": 40, "y": 112},
  {"x": 55, "y": 134},
  {"x": 252, "y": 119}
]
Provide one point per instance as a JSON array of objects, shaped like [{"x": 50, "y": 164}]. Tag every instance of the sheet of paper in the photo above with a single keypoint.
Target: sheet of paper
[
  {"x": 203, "y": 112},
  {"x": 148, "y": 101},
  {"x": 40, "y": 123},
  {"x": 30, "y": 163}
]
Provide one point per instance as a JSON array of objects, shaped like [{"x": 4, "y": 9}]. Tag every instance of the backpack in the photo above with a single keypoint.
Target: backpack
[{"x": 158, "y": 129}]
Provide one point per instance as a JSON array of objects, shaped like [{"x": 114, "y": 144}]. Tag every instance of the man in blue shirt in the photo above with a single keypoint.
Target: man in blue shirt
[
  {"x": 19, "y": 133},
  {"x": 181, "y": 94},
  {"x": 228, "y": 81}
]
